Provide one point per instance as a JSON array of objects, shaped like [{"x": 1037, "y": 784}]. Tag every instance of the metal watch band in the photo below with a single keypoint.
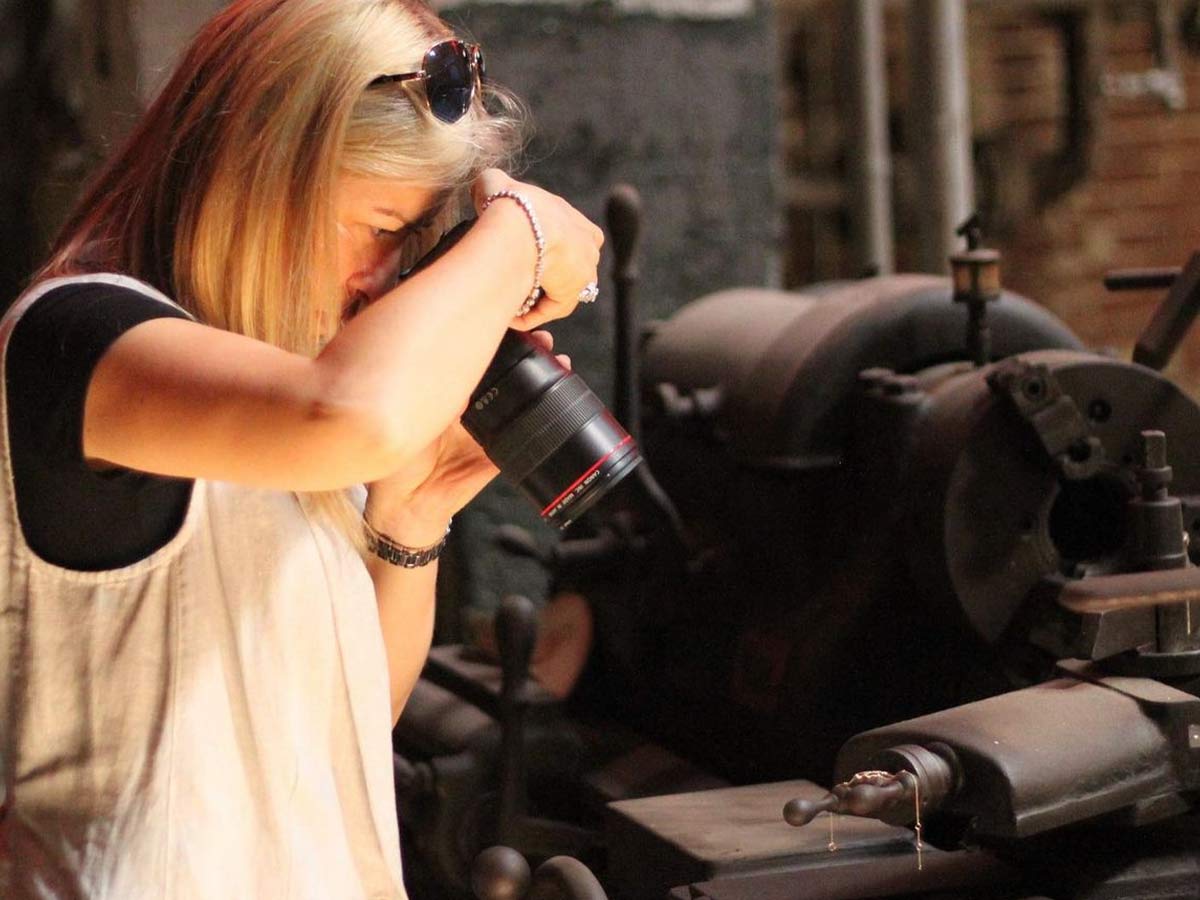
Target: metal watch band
[{"x": 398, "y": 554}]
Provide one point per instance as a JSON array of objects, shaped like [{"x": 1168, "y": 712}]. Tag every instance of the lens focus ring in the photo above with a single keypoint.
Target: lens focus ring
[{"x": 530, "y": 439}]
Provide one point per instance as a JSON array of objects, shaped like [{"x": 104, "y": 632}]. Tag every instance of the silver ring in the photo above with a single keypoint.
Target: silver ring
[{"x": 589, "y": 293}]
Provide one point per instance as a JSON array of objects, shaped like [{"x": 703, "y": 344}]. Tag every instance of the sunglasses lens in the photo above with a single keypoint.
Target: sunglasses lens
[{"x": 449, "y": 80}]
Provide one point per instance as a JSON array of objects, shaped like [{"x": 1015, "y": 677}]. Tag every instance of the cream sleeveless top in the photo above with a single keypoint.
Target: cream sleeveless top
[{"x": 212, "y": 721}]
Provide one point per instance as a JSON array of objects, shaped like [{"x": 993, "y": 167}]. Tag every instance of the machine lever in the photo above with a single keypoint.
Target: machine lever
[
  {"x": 624, "y": 219},
  {"x": 516, "y": 632},
  {"x": 866, "y": 794},
  {"x": 1141, "y": 279},
  {"x": 909, "y": 778},
  {"x": 800, "y": 812},
  {"x": 501, "y": 873},
  {"x": 1171, "y": 321}
]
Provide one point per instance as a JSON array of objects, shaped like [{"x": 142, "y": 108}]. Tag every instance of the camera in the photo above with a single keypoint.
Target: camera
[
  {"x": 540, "y": 423},
  {"x": 548, "y": 433}
]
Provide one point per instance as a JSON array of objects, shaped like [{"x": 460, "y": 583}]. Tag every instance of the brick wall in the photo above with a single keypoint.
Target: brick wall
[{"x": 1138, "y": 205}]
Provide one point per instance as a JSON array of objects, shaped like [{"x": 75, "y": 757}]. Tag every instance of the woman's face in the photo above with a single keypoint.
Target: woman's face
[{"x": 374, "y": 218}]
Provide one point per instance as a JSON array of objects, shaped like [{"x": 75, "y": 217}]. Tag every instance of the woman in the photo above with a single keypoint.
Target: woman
[{"x": 200, "y": 672}]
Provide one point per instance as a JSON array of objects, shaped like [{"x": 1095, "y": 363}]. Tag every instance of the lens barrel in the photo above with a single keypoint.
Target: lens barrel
[{"x": 546, "y": 430}]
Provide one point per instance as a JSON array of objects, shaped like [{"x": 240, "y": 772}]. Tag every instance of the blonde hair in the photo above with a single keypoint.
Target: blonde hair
[{"x": 223, "y": 195}]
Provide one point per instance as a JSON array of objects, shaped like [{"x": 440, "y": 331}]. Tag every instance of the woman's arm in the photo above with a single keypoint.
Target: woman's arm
[
  {"x": 407, "y": 604},
  {"x": 413, "y": 507},
  {"x": 177, "y": 398}
]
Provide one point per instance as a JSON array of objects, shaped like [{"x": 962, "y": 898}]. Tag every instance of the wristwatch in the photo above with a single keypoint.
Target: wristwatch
[{"x": 398, "y": 554}]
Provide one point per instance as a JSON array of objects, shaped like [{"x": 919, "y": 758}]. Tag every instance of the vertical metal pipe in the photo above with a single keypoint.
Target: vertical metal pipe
[
  {"x": 870, "y": 151},
  {"x": 940, "y": 131}
]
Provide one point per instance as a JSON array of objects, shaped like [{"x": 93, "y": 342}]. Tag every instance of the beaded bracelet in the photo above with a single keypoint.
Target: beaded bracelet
[
  {"x": 398, "y": 554},
  {"x": 538, "y": 238}
]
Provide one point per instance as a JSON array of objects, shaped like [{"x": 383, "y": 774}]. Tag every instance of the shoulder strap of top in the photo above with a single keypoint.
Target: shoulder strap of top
[{"x": 44, "y": 287}]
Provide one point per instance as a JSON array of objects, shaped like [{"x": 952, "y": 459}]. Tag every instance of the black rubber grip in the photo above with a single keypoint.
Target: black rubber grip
[{"x": 529, "y": 439}]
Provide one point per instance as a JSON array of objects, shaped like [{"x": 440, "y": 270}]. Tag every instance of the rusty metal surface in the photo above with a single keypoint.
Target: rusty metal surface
[
  {"x": 787, "y": 362},
  {"x": 1032, "y": 760},
  {"x": 992, "y": 515},
  {"x": 847, "y": 879},
  {"x": 865, "y": 547},
  {"x": 1160, "y": 863},
  {"x": 1144, "y": 689},
  {"x": 1135, "y": 590},
  {"x": 658, "y": 842}
]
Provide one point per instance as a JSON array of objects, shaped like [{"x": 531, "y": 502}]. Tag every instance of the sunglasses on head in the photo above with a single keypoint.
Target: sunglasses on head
[{"x": 451, "y": 71}]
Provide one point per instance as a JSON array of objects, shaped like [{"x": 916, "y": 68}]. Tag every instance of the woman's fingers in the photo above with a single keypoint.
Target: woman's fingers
[
  {"x": 572, "y": 257},
  {"x": 535, "y": 318},
  {"x": 546, "y": 310},
  {"x": 571, "y": 247}
]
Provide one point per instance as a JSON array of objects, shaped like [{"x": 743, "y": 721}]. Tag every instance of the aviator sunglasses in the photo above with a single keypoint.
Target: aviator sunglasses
[{"x": 450, "y": 73}]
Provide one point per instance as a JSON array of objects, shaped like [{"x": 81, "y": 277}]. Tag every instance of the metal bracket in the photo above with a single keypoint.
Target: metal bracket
[{"x": 1039, "y": 399}]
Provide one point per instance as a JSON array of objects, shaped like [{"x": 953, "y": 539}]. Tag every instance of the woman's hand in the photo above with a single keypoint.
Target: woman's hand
[
  {"x": 414, "y": 504},
  {"x": 572, "y": 253}
]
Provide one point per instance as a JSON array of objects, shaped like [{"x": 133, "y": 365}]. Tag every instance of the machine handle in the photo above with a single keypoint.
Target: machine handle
[
  {"x": 624, "y": 219},
  {"x": 501, "y": 873},
  {"x": 865, "y": 795},
  {"x": 565, "y": 878},
  {"x": 1171, "y": 321},
  {"x": 516, "y": 633},
  {"x": 1141, "y": 279}
]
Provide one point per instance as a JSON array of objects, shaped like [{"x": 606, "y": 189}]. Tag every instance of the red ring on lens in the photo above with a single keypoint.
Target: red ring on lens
[{"x": 578, "y": 481}]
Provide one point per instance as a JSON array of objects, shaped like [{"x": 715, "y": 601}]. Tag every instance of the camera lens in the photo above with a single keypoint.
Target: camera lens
[{"x": 548, "y": 433}]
